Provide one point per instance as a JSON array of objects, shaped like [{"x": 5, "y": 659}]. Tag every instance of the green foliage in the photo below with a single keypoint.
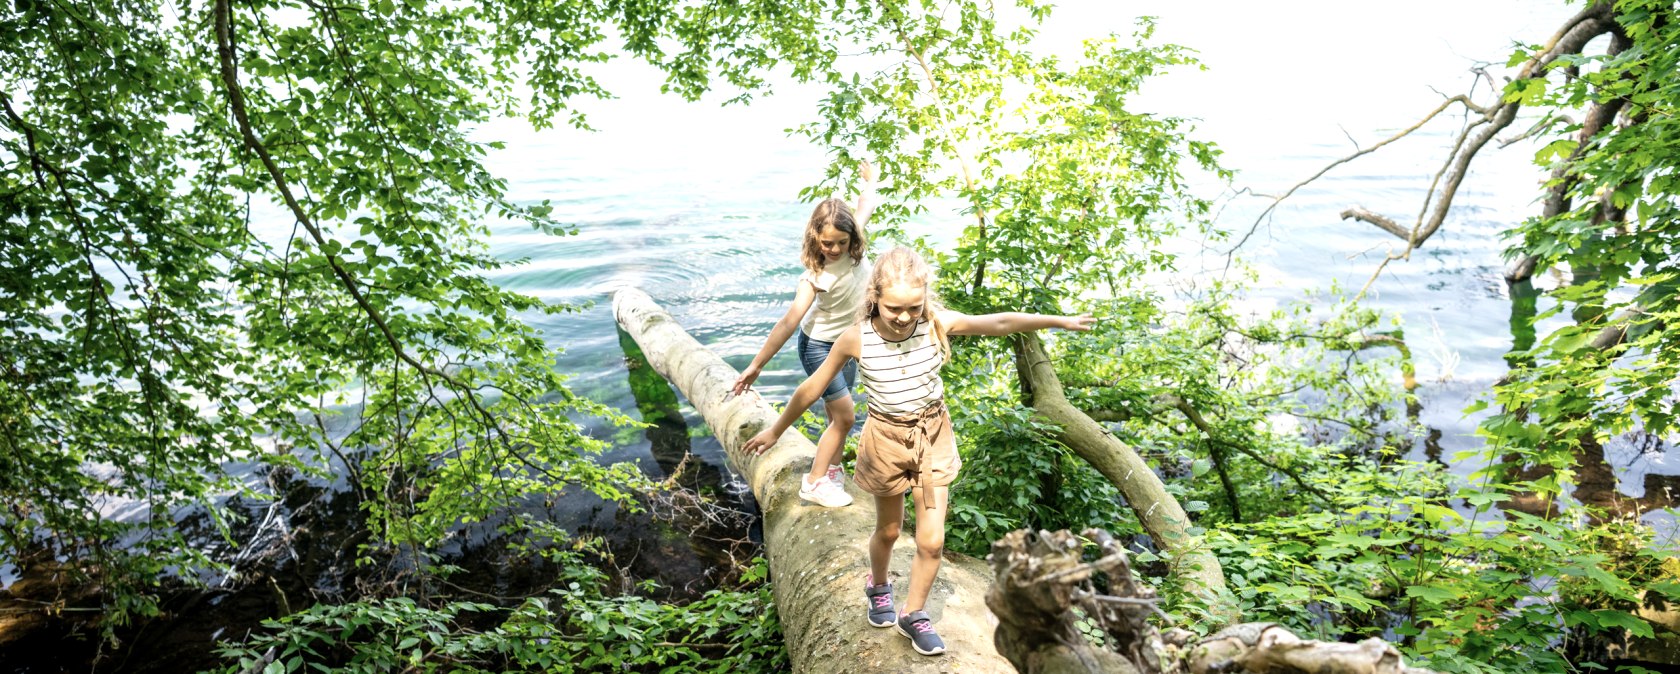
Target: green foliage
[
  {"x": 1255, "y": 408},
  {"x": 1070, "y": 200},
  {"x": 158, "y": 320},
  {"x": 255, "y": 231},
  {"x": 573, "y": 629},
  {"x": 1465, "y": 587}
]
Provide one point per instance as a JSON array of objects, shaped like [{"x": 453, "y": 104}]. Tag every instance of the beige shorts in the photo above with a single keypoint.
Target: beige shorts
[{"x": 897, "y": 453}]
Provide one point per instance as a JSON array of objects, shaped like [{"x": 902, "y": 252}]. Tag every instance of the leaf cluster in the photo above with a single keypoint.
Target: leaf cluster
[
  {"x": 1464, "y": 586},
  {"x": 572, "y": 629}
]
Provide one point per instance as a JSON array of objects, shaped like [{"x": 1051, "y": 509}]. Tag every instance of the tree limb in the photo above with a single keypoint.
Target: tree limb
[
  {"x": 1460, "y": 99},
  {"x": 1159, "y": 513},
  {"x": 1591, "y": 22},
  {"x": 1382, "y": 222},
  {"x": 1195, "y": 416},
  {"x": 1043, "y": 586},
  {"x": 1201, "y": 424}
]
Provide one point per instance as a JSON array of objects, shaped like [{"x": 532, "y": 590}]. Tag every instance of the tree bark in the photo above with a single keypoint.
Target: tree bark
[
  {"x": 1162, "y": 516},
  {"x": 1382, "y": 222},
  {"x": 818, "y": 556}
]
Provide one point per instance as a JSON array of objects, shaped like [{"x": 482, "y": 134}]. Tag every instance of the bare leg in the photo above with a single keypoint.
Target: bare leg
[
  {"x": 889, "y": 517},
  {"x": 931, "y": 504},
  {"x": 841, "y": 413}
]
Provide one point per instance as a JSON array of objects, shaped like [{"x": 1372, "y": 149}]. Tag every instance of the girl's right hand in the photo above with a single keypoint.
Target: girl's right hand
[
  {"x": 867, "y": 171},
  {"x": 745, "y": 381}
]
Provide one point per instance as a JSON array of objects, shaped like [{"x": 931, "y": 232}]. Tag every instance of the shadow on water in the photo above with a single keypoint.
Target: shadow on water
[{"x": 300, "y": 549}]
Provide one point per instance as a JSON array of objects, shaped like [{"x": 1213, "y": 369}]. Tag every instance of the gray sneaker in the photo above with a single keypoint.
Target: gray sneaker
[
  {"x": 879, "y": 599},
  {"x": 919, "y": 628}
]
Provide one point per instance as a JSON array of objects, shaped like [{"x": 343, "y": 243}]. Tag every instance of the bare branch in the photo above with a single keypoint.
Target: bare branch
[
  {"x": 1382, "y": 222},
  {"x": 1460, "y": 99},
  {"x": 1589, "y": 23}
]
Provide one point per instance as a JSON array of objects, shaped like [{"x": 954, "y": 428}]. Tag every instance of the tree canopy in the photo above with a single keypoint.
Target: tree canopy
[{"x": 255, "y": 231}]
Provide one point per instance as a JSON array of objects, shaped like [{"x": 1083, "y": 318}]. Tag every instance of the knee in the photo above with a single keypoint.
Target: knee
[
  {"x": 887, "y": 533},
  {"x": 931, "y": 545},
  {"x": 842, "y": 423}
]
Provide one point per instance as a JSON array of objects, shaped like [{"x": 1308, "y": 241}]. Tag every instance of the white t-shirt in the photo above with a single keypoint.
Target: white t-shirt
[{"x": 839, "y": 291}]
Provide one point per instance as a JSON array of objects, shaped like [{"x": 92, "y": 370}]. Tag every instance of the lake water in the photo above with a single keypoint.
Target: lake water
[{"x": 696, "y": 204}]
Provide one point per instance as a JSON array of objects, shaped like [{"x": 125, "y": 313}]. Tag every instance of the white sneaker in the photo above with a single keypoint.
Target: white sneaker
[{"x": 825, "y": 492}]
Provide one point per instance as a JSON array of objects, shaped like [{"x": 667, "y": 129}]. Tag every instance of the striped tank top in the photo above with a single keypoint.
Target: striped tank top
[{"x": 900, "y": 377}]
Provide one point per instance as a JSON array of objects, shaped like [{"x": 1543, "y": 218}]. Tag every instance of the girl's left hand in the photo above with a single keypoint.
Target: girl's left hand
[
  {"x": 1078, "y": 323},
  {"x": 758, "y": 443}
]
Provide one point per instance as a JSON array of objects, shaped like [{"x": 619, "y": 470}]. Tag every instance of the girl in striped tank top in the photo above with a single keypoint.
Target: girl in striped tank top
[{"x": 901, "y": 339}]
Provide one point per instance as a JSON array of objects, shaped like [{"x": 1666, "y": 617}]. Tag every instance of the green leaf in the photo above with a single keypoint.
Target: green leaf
[
  {"x": 1431, "y": 593},
  {"x": 1621, "y": 619}
]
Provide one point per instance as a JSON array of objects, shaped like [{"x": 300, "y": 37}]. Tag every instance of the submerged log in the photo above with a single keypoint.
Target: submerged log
[
  {"x": 818, "y": 556},
  {"x": 1043, "y": 586}
]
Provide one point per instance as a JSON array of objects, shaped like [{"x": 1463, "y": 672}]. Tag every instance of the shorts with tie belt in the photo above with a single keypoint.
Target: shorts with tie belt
[{"x": 897, "y": 452}]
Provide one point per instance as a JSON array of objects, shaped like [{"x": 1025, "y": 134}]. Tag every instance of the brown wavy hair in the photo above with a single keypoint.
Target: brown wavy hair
[
  {"x": 905, "y": 266},
  {"x": 836, "y": 213}
]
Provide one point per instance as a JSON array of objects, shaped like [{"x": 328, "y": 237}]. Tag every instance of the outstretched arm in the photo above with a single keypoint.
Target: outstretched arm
[
  {"x": 846, "y": 348},
  {"x": 866, "y": 194},
  {"x": 1011, "y": 322},
  {"x": 802, "y": 299}
]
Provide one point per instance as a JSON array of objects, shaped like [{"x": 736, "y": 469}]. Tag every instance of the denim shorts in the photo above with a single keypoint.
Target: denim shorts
[{"x": 812, "y": 353}]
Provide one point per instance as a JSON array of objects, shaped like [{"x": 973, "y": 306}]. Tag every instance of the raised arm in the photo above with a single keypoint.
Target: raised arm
[
  {"x": 866, "y": 194},
  {"x": 846, "y": 348},
  {"x": 802, "y": 299},
  {"x": 1010, "y": 322}
]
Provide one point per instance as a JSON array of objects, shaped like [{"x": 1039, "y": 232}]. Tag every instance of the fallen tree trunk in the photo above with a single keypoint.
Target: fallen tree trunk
[
  {"x": 818, "y": 556},
  {"x": 1043, "y": 587}
]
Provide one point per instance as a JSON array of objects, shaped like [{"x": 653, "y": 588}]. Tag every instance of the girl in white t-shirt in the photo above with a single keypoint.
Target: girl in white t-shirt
[{"x": 835, "y": 272}]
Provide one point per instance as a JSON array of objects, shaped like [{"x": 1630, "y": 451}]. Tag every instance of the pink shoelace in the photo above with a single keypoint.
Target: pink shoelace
[
  {"x": 924, "y": 627},
  {"x": 883, "y": 601}
]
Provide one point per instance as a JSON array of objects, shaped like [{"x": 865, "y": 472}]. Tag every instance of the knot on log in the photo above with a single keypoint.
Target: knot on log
[{"x": 1044, "y": 588}]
